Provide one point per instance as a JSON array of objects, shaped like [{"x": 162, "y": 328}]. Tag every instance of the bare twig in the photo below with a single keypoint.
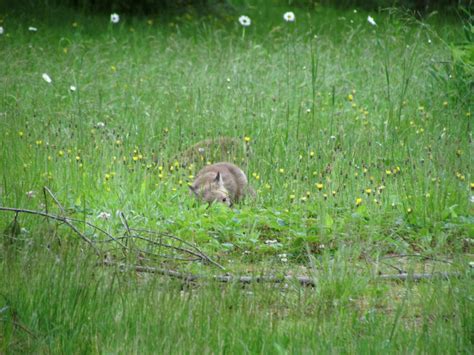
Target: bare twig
[
  {"x": 68, "y": 221},
  {"x": 47, "y": 190},
  {"x": 125, "y": 223},
  {"x": 57, "y": 218},
  {"x": 207, "y": 258}
]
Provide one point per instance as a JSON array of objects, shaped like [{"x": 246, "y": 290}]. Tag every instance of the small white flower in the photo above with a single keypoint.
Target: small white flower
[
  {"x": 47, "y": 78},
  {"x": 103, "y": 215},
  {"x": 371, "y": 20},
  {"x": 72, "y": 88},
  {"x": 32, "y": 29},
  {"x": 429, "y": 40},
  {"x": 282, "y": 256},
  {"x": 245, "y": 21},
  {"x": 114, "y": 18},
  {"x": 271, "y": 241},
  {"x": 283, "y": 260},
  {"x": 471, "y": 264},
  {"x": 471, "y": 199},
  {"x": 289, "y": 16},
  {"x": 1, "y": 30},
  {"x": 31, "y": 194},
  {"x": 100, "y": 125}
]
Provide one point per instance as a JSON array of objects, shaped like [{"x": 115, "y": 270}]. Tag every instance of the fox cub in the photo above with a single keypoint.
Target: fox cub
[{"x": 221, "y": 182}]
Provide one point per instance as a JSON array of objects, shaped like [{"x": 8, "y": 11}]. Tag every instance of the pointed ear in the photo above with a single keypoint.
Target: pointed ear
[
  {"x": 193, "y": 189},
  {"x": 218, "y": 179}
]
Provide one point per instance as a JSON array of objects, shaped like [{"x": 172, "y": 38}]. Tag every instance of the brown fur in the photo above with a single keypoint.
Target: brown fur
[{"x": 220, "y": 182}]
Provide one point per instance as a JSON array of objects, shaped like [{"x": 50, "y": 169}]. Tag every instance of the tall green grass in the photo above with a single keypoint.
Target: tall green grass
[
  {"x": 359, "y": 146},
  {"x": 66, "y": 304}
]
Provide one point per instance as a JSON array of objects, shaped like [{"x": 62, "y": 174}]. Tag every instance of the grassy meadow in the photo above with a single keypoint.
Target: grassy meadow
[{"x": 356, "y": 137}]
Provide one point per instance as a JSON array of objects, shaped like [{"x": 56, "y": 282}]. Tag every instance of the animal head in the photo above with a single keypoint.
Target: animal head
[{"x": 214, "y": 191}]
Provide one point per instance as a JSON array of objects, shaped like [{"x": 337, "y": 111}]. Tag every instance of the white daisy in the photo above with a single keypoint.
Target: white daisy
[
  {"x": 32, "y": 29},
  {"x": 371, "y": 20},
  {"x": 114, "y": 18},
  {"x": 289, "y": 16},
  {"x": 245, "y": 21},
  {"x": 1, "y": 30},
  {"x": 47, "y": 78},
  {"x": 103, "y": 215},
  {"x": 72, "y": 88}
]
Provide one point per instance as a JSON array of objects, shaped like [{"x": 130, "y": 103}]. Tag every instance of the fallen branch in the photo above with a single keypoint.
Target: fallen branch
[
  {"x": 57, "y": 218},
  {"x": 302, "y": 280},
  {"x": 199, "y": 253},
  {"x": 68, "y": 221}
]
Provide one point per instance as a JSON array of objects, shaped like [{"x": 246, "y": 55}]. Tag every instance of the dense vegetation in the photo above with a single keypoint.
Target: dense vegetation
[{"x": 357, "y": 138}]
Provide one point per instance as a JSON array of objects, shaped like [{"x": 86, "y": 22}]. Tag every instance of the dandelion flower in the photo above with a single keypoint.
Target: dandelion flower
[
  {"x": 245, "y": 21},
  {"x": 103, "y": 215},
  {"x": 289, "y": 16},
  {"x": 358, "y": 201},
  {"x": 32, "y": 29},
  {"x": 1, "y": 30},
  {"x": 72, "y": 88},
  {"x": 47, "y": 78},
  {"x": 371, "y": 20},
  {"x": 114, "y": 18}
]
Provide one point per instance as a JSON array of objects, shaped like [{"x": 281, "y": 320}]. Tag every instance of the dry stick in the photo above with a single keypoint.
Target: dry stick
[
  {"x": 68, "y": 220},
  {"x": 183, "y": 241},
  {"x": 99, "y": 229},
  {"x": 167, "y": 235},
  {"x": 46, "y": 189},
  {"x": 303, "y": 280},
  {"x": 125, "y": 223},
  {"x": 200, "y": 254},
  {"x": 57, "y": 218}
]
